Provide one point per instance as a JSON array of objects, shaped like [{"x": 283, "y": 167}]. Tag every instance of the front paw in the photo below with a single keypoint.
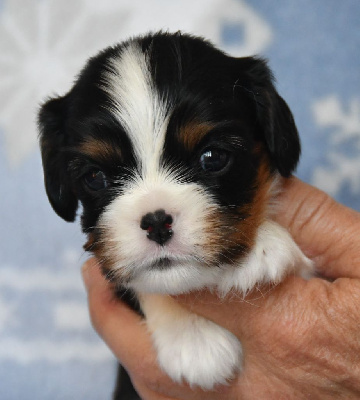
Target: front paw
[
  {"x": 198, "y": 351},
  {"x": 274, "y": 255}
]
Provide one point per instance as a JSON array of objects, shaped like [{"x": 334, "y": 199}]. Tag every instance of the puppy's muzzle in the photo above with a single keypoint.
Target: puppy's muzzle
[{"x": 158, "y": 226}]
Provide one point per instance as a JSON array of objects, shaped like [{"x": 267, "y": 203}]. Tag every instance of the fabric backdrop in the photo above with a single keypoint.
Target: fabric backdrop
[{"x": 47, "y": 347}]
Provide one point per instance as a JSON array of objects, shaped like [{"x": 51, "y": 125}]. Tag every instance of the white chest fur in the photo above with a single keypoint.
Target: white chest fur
[{"x": 196, "y": 350}]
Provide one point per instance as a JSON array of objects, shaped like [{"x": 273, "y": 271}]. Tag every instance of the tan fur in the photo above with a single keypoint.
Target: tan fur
[
  {"x": 244, "y": 231},
  {"x": 192, "y": 133},
  {"x": 100, "y": 150}
]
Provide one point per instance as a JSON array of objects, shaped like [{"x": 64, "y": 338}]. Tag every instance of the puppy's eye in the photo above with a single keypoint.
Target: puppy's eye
[
  {"x": 214, "y": 160},
  {"x": 95, "y": 180}
]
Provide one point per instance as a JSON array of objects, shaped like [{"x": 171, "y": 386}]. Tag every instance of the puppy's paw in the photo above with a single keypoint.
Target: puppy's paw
[
  {"x": 274, "y": 256},
  {"x": 197, "y": 351}
]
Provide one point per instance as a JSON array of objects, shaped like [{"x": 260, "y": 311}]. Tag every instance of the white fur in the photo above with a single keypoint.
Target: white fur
[
  {"x": 198, "y": 351},
  {"x": 274, "y": 256},
  {"x": 138, "y": 106},
  {"x": 133, "y": 253},
  {"x": 144, "y": 115},
  {"x": 188, "y": 346}
]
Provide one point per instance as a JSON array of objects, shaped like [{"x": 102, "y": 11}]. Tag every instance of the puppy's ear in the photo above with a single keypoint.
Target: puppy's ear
[
  {"x": 276, "y": 121},
  {"x": 53, "y": 140}
]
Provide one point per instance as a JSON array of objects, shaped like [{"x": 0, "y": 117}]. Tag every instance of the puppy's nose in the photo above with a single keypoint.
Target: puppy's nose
[{"x": 158, "y": 226}]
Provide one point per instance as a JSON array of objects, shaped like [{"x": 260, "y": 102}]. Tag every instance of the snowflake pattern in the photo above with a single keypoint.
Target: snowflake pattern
[
  {"x": 44, "y": 43},
  {"x": 45, "y": 335},
  {"x": 343, "y": 161},
  {"x": 42, "y": 46}
]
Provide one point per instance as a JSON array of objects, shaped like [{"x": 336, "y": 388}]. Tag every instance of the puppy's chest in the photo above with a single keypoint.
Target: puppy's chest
[{"x": 175, "y": 150}]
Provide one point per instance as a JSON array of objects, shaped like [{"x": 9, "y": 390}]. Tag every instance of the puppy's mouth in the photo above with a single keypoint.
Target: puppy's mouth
[
  {"x": 171, "y": 275},
  {"x": 166, "y": 263},
  {"x": 161, "y": 264}
]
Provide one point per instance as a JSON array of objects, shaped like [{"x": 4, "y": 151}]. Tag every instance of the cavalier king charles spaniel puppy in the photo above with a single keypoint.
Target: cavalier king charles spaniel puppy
[{"x": 176, "y": 152}]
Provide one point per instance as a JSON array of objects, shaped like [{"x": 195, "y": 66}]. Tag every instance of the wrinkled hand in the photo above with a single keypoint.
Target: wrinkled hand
[{"x": 301, "y": 338}]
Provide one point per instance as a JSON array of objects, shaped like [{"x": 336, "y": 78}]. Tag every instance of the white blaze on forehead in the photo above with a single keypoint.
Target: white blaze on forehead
[
  {"x": 144, "y": 115},
  {"x": 138, "y": 106}
]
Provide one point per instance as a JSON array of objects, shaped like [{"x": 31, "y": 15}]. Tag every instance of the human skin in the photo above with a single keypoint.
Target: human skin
[{"x": 301, "y": 339}]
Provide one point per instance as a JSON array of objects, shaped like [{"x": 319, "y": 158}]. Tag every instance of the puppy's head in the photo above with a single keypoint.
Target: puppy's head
[{"x": 171, "y": 147}]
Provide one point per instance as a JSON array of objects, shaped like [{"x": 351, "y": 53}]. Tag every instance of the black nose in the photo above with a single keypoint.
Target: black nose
[{"x": 158, "y": 226}]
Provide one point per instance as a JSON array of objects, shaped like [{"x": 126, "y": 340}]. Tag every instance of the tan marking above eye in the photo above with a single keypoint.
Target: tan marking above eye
[
  {"x": 100, "y": 150},
  {"x": 192, "y": 133}
]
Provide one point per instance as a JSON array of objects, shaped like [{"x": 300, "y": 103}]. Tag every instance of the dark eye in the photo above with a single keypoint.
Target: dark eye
[
  {"x": 95, "y": 180},
  {"x": 214, "y": 160}
]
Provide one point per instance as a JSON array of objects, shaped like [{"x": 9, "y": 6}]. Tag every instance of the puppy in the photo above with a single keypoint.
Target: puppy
[{"x": 175, "y": 151}]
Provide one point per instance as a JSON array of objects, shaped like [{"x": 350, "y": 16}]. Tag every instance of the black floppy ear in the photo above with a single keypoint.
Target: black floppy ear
[
  {"x": 280, "y": 133},
  {"x": 276, "y": 121},
  {"x": 53, "y": 140}
]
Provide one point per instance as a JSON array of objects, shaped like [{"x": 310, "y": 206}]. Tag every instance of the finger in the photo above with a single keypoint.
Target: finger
[
  {"x": 327, "y": 231},
  {"x": 128, "y": 338},
  {"x": 241, "y": 315},
  {"x": 120, "y": 327}
]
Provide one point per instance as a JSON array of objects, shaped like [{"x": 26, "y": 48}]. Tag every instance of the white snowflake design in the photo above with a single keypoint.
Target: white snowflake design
[
  {"x": 342, "y": 167},
  {"x": 42, "y": 46},
  {"x": 44, "y": 43}
]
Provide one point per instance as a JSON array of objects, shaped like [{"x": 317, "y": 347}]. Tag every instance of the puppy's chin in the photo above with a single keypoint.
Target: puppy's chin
[{"x": 173, "y": 277}]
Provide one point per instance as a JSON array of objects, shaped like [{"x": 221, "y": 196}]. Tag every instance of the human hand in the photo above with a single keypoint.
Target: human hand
[
  {"x": 300, "y": 338},
  {"x": 128, "y": 338}
]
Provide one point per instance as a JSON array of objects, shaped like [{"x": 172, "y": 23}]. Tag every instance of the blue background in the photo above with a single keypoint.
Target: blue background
[{"x": 47, "y": 347}]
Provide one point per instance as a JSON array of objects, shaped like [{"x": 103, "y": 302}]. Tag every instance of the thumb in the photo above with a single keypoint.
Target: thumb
[
  {"x": 327, "y": 231},
  {"x": 114, "y": 321}
]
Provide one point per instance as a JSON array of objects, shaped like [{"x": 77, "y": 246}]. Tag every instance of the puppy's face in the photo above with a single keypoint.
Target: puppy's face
[{"x": 171, "y": 147}]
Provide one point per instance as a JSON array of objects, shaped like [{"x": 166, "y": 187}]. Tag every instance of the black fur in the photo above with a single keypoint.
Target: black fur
[
  {"x": 203, "y": 82},
  {"x": 124, "y": 389},
  {"x": 236, "y": 96}
]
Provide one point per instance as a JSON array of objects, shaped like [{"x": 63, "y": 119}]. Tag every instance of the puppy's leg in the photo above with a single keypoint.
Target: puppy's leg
[{"x": 189, "y": 347}]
